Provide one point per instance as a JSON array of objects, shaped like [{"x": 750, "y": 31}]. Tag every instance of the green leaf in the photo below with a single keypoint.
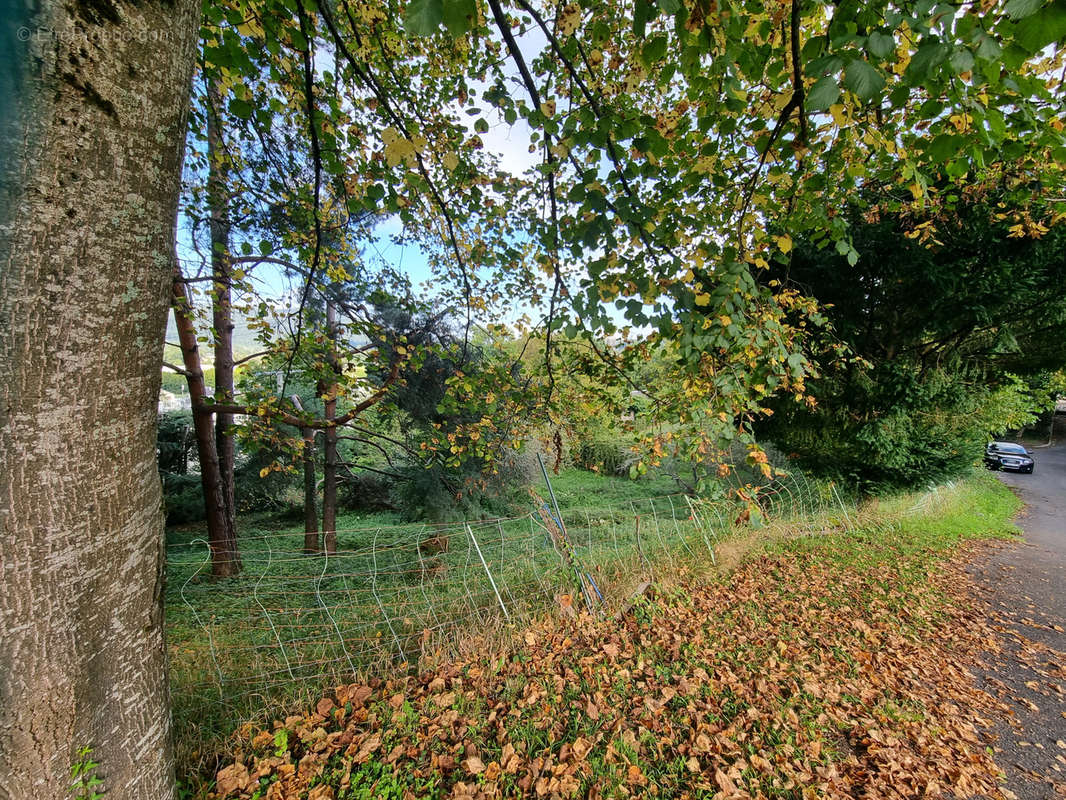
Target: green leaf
[
  {"x": 962, "y": 60},
  {"x": 481, "y": 126},
  {"x": 988, "y": 49},
  {"x": 670, "y": 6},
  {"x": 281, "y": 741},
  {"x": 863, "y": 79},
  {"x": 643, "y": 11},
  {"x": 241, "y": 109},
  {"x": 944, "y": 146},
  {"x": 823, "y": 94},
  {"x": 459, "y": 16},
  {"x": 423, "y": 17},
  {"x": 654, "y": 50},
  {"x": 880, "y": 45},
  {"x": 930, "y": 54},
  {"x": 1038, "y": 31},
  {"x": 1020, "y": 9}
]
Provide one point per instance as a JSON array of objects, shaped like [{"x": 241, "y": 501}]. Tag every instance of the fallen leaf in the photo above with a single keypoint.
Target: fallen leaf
[{"x": 473, "y": 765}]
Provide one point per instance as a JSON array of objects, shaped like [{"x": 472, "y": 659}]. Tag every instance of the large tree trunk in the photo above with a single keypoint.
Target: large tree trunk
[
  {"x": 90, "y": 158},
  {"x": 221, "y": 307},
  {"x": 225, "y": 556}
]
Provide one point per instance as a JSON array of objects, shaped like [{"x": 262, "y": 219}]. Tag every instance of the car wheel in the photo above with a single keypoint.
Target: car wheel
[{"x": 1029, "y": 471}]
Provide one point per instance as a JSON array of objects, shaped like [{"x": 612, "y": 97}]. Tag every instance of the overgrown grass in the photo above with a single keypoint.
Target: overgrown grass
[
  {"x": 291, "y": 624},
  {"x": 823, "y": 664},
  {"x": 268, "y": 641}
]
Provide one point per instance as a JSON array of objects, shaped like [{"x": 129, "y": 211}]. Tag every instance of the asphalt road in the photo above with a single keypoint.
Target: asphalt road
[{"x": 1024, "y": 584}]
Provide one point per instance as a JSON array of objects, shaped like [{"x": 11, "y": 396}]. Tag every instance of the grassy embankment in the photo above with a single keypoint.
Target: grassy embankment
[
  {"x": 827, "y": 662},
  {"x": 291, "y": 624}
]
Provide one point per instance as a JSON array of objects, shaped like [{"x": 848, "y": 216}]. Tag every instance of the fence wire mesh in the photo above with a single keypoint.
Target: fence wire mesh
[{"x": 291, "y": 624}]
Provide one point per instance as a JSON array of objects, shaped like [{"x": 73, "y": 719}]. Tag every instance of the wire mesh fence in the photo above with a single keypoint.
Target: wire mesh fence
[{"x": 291, "y": 624}]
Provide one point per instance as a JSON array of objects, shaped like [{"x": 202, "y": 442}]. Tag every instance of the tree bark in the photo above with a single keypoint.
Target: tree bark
[
  {"x": 311, "y": 545},
  {"x": 328, "y": 391},
  {"x": 225, "y": 555},
  {"x": 221, "y": 305},
  {"x": 90, "y": 155}
]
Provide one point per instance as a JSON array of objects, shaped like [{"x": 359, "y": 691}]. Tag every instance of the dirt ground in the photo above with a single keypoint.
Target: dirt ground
[{"x": 1024, "y": 585}]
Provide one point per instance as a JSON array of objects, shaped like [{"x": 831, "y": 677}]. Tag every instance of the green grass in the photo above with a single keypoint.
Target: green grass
[
  {"x": 268, "y": 641},
  {"x": 270, "y": 638},
  {"x": 927, "y": 522},
  {"x": 883, "y": 558}
]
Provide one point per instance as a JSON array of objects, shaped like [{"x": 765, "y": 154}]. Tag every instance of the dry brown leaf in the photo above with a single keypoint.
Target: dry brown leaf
[
  {"x": 473, "y": 765},
  {"x": 232, "y": 780},
  {"x": 725, "y": 783}
]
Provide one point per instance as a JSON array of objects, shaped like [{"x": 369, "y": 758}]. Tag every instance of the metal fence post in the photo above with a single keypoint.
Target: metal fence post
[{"x": 487, "y": 572}]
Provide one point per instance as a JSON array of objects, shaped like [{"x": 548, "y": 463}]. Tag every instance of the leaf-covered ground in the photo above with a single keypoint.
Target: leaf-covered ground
[{"x": 827, "y": 666}]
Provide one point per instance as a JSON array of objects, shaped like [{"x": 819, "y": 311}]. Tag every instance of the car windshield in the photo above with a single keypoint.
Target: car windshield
[{"x": 1006, "y": 447}]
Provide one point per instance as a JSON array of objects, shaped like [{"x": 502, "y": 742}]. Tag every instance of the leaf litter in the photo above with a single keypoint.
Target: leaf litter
[{"x": 804, "y": 674}]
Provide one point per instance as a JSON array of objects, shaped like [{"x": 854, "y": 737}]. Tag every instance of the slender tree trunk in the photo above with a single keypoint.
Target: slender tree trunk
[
  {"x": 310, "y": 493},
  {"x": 90, "y": 161},
  {"x": 329, "y": 483},
  {"x": 225, "y": 556},
  {"x": 311, "y": 545},
  {"x": 222, "y": 309},
  {"x": 329, "y": 448}
]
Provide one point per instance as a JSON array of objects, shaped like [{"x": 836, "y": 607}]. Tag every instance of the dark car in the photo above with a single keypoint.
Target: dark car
[{"x": 1008, "y": 455}]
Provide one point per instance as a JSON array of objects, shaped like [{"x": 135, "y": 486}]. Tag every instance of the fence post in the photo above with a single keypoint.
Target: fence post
[{"x": 487, "y": 572}]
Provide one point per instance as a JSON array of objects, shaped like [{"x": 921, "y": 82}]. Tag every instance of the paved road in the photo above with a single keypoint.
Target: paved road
[{"x": 1025, "y": 585}]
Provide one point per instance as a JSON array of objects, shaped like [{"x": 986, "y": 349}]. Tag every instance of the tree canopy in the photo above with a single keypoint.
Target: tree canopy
[
  {"x": 683, "y": 148},
  {"x": 945, "y": 341}
]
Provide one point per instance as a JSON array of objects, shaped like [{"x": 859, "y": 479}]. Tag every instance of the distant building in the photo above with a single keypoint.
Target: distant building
[{"x": 169, "y": 401}]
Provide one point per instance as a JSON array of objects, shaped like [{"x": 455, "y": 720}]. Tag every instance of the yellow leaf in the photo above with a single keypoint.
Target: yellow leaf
[
  {"x": 569, "y": 19},
  {"x": 703, "y": 299},
  {"x": 397, "y": 147},
  {"x": 784, "y": 243},
  {"x": 250, "y": 27}
]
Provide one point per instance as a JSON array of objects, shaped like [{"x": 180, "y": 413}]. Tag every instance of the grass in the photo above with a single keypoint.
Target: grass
[
  {"x": 801, "y": 663},
  {"x": 291, "y": 624},
  {"x": 258, "y": 624}
]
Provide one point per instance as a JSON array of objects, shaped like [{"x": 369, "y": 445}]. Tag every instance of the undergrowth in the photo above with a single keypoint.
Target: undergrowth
[{"x": 832, "y": 658}]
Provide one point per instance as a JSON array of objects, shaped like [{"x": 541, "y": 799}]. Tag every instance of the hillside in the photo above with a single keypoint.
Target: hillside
[{"x": 830, "y": 665}]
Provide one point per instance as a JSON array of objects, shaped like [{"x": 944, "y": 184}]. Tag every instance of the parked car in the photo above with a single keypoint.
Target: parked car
[{"x": 1008, "y": 455}]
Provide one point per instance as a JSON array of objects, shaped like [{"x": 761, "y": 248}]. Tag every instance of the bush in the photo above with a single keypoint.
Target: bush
[
  {"x": 183, "y": 498},
  {"x": 603, "y": 455},
  {"x": 439, "y": 494},
  {"x": 368, "y": 491}
]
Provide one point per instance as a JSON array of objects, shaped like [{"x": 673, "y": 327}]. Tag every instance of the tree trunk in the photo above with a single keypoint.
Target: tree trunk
[
  {"x": 311, "y": 545},
  {"x": 329, "y": 483},
  {"x": 225, "y": 556},
  {"x": 90, "y": 153},
  {"x": 221, "y": 305},
  {"x": 310, "y": 493},
  {"x": 329, "y": 447}
]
